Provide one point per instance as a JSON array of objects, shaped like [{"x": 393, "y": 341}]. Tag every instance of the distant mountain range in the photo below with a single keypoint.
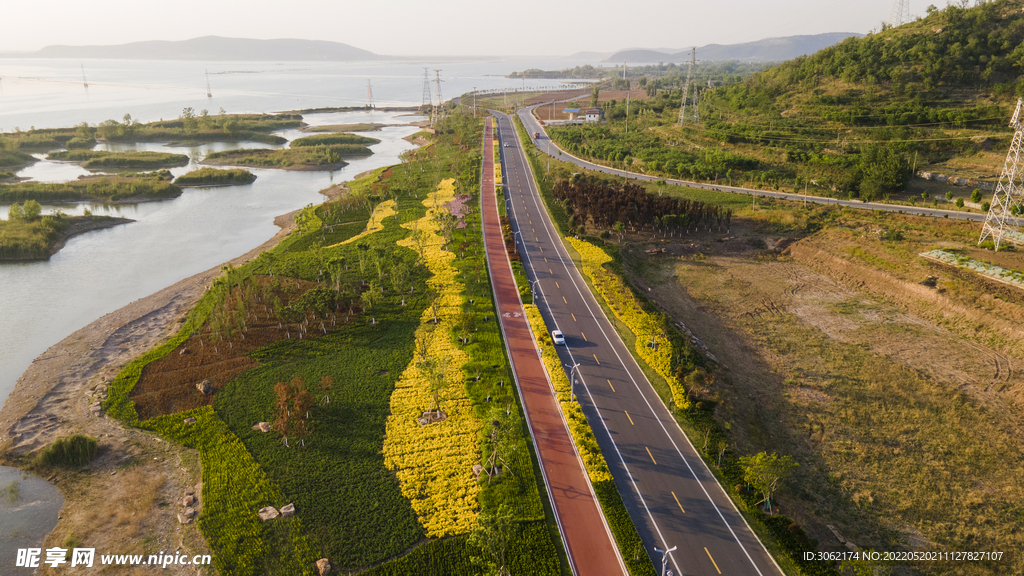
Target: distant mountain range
[
  {"x": 767, "y": 50},
  {"x": 216, "y": 48}
]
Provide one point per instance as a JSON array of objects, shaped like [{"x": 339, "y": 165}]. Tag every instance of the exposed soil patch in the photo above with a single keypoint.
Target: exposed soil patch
[{"x": 219, "y": 353}]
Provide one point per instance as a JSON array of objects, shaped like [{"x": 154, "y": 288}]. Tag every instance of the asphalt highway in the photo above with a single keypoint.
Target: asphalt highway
[
  {"x": 672, "y": 497},
  {"x": 547, "y": 146}
]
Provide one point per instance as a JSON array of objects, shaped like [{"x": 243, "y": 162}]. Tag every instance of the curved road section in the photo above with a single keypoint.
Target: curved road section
[
  {"x": 588, "y": 540},
  {"x": 552, "y": 149},
  {"x": 672, "y": 497}
]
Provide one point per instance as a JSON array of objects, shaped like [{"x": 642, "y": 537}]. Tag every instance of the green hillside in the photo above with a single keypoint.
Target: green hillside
[{"x": 851, "y": 120}]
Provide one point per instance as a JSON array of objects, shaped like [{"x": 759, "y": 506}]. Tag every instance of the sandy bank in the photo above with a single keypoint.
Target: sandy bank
[{"x": 131, "y": 494}]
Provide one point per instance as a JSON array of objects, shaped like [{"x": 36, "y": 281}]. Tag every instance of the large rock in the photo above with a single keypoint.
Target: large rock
[
  {"x": 190, "y": 420},
  {"x": 206, "y": 387},
  {"x": 477, "y": 469},
  {"x": 323, "y": 566},
  {"x": 182, "y": 519},
  {"x": 188, "y": 501},
  {"x": 268, "y": 513},
  {"x": 190, "y": 512},
  {"x": 288, "y": 510},
  {"x": 263, "y": 427}
]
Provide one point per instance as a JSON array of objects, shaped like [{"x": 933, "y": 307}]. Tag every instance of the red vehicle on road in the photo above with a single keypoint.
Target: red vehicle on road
[{"x": 536, "y": 135}]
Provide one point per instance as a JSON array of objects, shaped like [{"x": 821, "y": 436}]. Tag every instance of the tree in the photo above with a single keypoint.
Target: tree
[
  {"x": 400, "y": 279},
  {"x": 293, "y": 404},
  {"x": 949, "y": 196},
  {"x": 619, "y": 229},
  {"x": 594, "y": 96},
  {"x": 764, "y": 472},
  {"x": 976, "y": 196},
  {"x": 435, "y": 369},
  {"x": 31, "y": 211},
  {"x": 371, "y": 298},
  {"x": 189, "y": 121},
  {"x": 15, "y": 213},
  {"x": 959, "y": 204},
  {"x": 83, "y": 131},
  {"x": 467, "y": 321},
  {"x": 503, "y": 443},
  {"x": 491, "y": 537}
]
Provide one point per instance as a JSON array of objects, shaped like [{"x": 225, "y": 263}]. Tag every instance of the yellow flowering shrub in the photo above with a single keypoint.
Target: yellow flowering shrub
[
  {"x": 582, "y": 435},
  {"x": 497, "y": 162},
  {"x": 434, "y": 463},
  {"x": 376, "y": 222},
  {"x": 627, "y": 309}
]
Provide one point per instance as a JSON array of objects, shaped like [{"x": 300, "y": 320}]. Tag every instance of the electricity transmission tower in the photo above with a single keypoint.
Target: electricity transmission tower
[
  {"x": 369, "y": 96},
  {"x": 427, "y": 100},
  {"x": 437, "y": 89},
  {"x": 686, "y": 86},
  {"x": 900, "y": 13},
  {"x": 1003, "y": 220}
]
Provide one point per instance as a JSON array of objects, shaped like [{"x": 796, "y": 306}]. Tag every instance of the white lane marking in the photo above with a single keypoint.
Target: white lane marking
[{"x": 559, "y": 248}]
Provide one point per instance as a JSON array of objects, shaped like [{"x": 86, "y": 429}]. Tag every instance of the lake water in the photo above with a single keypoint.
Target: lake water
[
  {"x": 96, "y": 273},
  {"x": 29, "y": 507}
]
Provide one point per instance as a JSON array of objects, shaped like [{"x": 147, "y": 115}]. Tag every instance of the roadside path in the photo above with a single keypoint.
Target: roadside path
[
  {"x": 548, "y": 146},
  {"x": 671, "y": 495},
  {"x": 588, "y": 540}
]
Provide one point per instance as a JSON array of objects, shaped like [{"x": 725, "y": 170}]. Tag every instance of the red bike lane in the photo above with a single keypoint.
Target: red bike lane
[{"x": 589, "y": 543}]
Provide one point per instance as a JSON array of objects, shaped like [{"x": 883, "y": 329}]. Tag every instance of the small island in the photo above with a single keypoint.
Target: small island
[
  {"x": 302, "y": 158},
  {"x": 358, "y": 127},
  {"x": 114, "y": 189},
  {"x": 345, "y": 142},
  {"x": 27, "y": 235},
  {"x": 14, "y": 158},
  {"x": 189, "y": 128},
  {"x": 215, "y": 177},
  {"x": 102, "y": 160}
]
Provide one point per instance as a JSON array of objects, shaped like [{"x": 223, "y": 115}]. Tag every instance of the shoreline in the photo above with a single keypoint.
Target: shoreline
[
  {"x": 132, "y": 491},
  {"x": 76, "y": 229}
]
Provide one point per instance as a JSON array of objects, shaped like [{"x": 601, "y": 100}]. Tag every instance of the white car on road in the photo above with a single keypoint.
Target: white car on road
[{"x": 558, "y": 338}]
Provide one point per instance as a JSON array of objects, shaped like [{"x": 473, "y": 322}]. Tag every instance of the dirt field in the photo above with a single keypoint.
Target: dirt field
[
  {"x": 168, "y": 385},
  {"x": 902, "y": 403}
]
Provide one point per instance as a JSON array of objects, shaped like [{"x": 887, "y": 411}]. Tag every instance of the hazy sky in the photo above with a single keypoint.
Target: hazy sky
[{"x": 445, "y": 27}]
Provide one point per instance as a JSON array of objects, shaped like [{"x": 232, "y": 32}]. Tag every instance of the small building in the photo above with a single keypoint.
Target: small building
[
  {"x": 572, "y": 112},
  {"x": 593, "y": 115}
]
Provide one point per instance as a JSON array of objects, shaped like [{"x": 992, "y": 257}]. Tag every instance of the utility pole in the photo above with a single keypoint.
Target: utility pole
[
  {"x": 686, "y": 86},
  {"x": 1003, "y": 220},
  {"x": 369, "y": 96}
]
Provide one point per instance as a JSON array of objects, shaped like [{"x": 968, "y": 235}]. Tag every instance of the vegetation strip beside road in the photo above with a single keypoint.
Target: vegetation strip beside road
[{"x": 323, "y": 330}]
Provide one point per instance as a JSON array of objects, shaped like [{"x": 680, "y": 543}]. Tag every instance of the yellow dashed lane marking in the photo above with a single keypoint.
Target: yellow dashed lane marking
[
  {"x": 557, "y": 286},
  {"x": 712, "y": 560},
  {"x": 584, "y": 336},
  {"x": 677, "y": 502},
  {"x": 610, "y": 385},
  {"x": 630, "y": 419},
  {"x": 564, "y": 300},
  {"x": 651, "y": 455},
  {"x": 596, "y": 360}
]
